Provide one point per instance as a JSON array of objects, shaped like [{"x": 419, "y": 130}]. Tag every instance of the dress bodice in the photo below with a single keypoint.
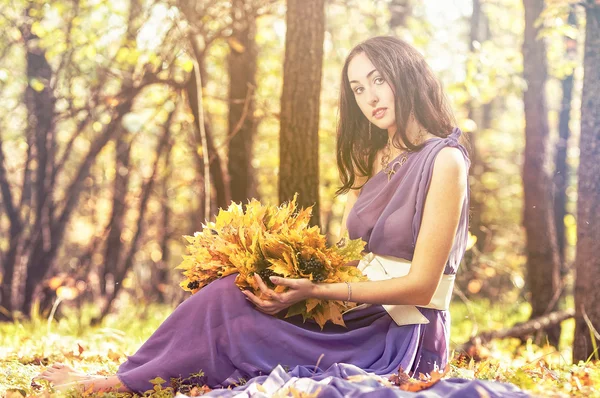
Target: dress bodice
[{"x": 387, "y": 214}]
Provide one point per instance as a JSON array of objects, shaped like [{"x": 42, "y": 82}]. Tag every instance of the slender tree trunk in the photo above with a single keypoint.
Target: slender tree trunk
[
  {"x": 162, "y": 267},
  {"x": 543, "y": 266},
  {"x": 561, "y": 174},
  {"x": 481, "y": 115},
  {"x": 40, "y": 103},
  {"x": 7, "y": 262},
  {"x": 242, "y": 85},
  {"x": 400, "y": 10},
  {"x": 219, "y": 180},
  {"x": 587, "y": 262},
  {"x": 116, "y": 223},
  {"x": 299, "y": 133}
]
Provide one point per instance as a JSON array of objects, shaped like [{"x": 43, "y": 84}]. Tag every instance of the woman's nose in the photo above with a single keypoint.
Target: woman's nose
[{"x": 373, "y": 99}]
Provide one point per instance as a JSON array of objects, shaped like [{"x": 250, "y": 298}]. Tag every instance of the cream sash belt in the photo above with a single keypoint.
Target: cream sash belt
[{"x": 377, "y": 268}]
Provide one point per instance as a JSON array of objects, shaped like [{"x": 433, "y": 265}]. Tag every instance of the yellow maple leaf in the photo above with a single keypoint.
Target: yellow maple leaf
[
  {"x": 281, "y": 267},
  {"x": 272, "y": 247},
  {"x": 352, "y": 249},
  {"x": 335, "y": 315},
  {"x": 311, "y": 304},
  {"x": 320, "y": 316},
  {"x": 301, "y": 221}
]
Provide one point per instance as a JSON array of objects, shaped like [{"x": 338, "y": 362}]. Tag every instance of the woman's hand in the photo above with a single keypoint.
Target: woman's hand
[{"x": 299, "y": 290}]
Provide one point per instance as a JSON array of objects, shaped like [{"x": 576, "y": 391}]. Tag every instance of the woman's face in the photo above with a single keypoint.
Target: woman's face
[{"x": 373, "y": 94}]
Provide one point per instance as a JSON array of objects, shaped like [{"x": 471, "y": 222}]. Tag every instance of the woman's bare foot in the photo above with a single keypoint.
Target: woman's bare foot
[{"x": 63, "y": 377}]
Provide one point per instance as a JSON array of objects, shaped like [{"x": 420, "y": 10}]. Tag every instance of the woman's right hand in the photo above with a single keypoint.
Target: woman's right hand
[{"x": 299, "y": 290}]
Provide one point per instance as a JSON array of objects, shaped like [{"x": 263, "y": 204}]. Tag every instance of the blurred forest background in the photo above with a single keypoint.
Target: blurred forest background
[{"x": 124, "y": 125}]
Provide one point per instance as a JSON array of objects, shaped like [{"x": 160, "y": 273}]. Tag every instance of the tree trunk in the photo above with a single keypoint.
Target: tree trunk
[
  {"x": 299, "y": 131},
  {"x": 400, "y": 10},
  {"x": 587, "y": 262},
  {"x": 216, "y": 171},
  {"x": 7, "y": 262},
  {"x": 561, "y": 173},
  {"x": 242, "y": 85},
  {"x": 481, "y": 115},
  {"x": 113, "y": 245},
  {"x": 543, "y": 266},
  {"x": 40, "y": 105},
  {"x": 161, "y": 271}
]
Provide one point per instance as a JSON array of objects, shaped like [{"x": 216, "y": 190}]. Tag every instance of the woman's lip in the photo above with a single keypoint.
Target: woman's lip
[{"x": 379, "y": 113}]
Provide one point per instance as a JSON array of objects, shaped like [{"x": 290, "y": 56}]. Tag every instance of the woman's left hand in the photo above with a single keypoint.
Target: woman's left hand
[{"x": 299, "y": 289}]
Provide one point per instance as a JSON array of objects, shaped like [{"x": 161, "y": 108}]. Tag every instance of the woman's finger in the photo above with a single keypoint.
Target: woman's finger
[
  {"x": 255, "y": 300},
  {"x": 269, "y": 311},
  {"x": 283, "y": 281},
  {"x": 261, "y": 285},
  {"x": 273, "y": 310},
  {"x": 265, "y": 289},
  {"x": 287, "y": 296},
  {"x": 261, "y": 305}
]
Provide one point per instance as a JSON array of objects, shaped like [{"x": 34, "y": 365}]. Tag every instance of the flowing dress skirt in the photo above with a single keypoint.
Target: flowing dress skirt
[{"x": 219, "y": 332}]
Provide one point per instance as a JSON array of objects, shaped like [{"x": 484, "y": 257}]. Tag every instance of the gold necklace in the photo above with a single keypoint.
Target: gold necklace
[{"x": 385, "y": 158}]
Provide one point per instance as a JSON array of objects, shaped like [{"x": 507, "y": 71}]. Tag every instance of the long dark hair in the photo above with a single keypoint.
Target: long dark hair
[{"x": 415, "y": 89}]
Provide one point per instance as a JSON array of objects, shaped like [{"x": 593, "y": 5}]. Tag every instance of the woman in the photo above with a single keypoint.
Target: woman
[{"x": 405, "y": 172}]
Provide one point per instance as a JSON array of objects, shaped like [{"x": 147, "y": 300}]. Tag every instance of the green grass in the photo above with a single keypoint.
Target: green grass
[
  {"x": 544, "y": 371},
  {"x": 27, "y": 346}
]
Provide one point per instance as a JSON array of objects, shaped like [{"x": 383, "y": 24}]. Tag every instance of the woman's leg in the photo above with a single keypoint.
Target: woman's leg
[{"x": 64, "y": 377}]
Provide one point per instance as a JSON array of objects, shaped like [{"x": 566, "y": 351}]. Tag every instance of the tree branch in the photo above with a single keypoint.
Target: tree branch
[
  {"x": 519, "y": 330},
  {"x": 7, "y": 199}
]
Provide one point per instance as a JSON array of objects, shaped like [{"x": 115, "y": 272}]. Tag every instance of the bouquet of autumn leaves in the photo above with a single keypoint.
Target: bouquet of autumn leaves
[{"x": 271, "y": 241}]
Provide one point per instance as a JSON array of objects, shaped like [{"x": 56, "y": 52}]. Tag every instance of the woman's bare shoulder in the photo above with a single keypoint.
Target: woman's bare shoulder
[{"x": 450, "y": 167}]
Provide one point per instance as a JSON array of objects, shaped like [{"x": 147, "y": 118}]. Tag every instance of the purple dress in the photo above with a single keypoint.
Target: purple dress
[{"x": 221, "y": 333}]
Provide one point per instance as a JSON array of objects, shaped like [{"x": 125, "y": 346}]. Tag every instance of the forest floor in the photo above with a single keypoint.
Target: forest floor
[{"x": 27, "y": 347}]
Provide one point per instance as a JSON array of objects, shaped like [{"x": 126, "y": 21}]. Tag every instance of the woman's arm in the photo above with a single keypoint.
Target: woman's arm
[
  {"x": 441, "y": 215},
  {"x": 350, "y": 201},
  {"x": 352, "y": 196}
]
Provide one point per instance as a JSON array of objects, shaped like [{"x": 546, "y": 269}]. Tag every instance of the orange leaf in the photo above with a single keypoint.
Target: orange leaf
[
  {"x": 407, "y": 383},
  {"x": 311, "y": 304},
  {"x": 113, "y": 356},
  {"x": 335, "y": 315},
  {"x": 320, "y": 317}
]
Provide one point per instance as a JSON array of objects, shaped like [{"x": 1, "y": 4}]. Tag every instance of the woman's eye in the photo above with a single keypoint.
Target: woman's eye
[
  {"x": 380, "y": 79},
  {"x": 358, "y": 90}
]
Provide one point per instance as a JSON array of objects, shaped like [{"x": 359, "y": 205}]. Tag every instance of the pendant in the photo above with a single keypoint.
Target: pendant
[
  {"x": 391, "y": 170},
  {"x": 389, "y": 173}
]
